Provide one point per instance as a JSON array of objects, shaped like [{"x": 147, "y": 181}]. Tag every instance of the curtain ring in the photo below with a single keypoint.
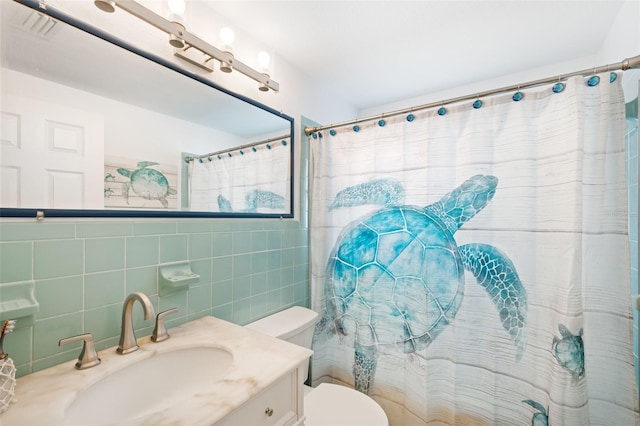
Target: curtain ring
[{"x": 442, "y": 110}]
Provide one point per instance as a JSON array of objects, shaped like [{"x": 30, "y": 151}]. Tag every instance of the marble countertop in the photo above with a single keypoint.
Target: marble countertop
[{"x": 258, "y": 360}]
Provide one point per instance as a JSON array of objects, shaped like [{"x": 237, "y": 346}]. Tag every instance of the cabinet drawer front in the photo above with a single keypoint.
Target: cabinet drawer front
[{"x": 275, "y": 405}]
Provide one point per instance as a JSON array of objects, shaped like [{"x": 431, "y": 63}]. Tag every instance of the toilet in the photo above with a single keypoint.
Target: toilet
[{"x": 327, "y": 404}]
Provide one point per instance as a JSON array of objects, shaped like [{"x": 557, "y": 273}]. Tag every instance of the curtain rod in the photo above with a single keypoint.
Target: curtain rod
[
  {"x": 236, "y": 148},
  {"x": 625, "y": 64}
]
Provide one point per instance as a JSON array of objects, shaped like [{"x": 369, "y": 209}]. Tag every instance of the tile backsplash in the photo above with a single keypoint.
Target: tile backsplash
[{"x": 83, "y": 270}]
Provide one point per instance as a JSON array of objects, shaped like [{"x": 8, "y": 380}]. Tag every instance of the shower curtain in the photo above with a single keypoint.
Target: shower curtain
[
  {"x": 471, "y": 264},
  {"x": 251, "y": 180}
]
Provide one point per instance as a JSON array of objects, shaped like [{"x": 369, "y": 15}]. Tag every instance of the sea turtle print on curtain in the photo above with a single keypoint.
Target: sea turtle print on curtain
[
  {"x": 395, "y": 281},
  {"x": 395, "y": 277},
  {"x": 539, "y": 418},
  {"x": 255, "y": 200},
  {"x": 569, "y": 352}
]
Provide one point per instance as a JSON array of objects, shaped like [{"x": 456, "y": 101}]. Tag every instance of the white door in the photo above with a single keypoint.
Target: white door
[{"x": 50, "y": 156}]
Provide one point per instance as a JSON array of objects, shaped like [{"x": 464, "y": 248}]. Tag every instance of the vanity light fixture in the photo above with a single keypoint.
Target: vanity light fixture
[
  {"x": 176, "y": 16},
  {"x": 227, "y": 37},
  {"x": 263, "y": 67},
  {"x": 176, "y": 41},
  {"x": 193, "y": 49}
]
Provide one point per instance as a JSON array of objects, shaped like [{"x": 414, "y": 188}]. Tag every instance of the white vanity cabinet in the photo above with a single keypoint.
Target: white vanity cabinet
[{"x": 279, "y": 404}]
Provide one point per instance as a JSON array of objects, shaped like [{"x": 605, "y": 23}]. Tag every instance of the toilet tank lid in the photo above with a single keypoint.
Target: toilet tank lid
[{"x": 287, "y": 323}]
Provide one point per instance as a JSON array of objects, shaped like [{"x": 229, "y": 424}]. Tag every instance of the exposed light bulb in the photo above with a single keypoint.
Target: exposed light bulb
[
  {"x": 177, "y": 10},
  {"x": 263, "y": 67},
  {"x": 177, "y": 7},
  {"x": 227, "y": 37},
  {"x": 264, "y": 59}
]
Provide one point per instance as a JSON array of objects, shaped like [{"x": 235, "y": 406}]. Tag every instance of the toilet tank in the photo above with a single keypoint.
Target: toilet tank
[{"x": 295, "y": 325}]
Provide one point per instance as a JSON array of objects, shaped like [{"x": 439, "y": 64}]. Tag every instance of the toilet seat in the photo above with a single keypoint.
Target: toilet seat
[{"x": 335, "y": 405}]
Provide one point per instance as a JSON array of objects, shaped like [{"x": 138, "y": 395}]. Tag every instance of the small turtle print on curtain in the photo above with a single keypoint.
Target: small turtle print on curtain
[
  {"x": 396, "y": 276},
  {"x": 569, "y": 352}
]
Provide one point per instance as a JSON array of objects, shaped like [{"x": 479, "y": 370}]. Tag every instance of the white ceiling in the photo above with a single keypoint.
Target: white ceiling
[{"x": 379, "y": 52}]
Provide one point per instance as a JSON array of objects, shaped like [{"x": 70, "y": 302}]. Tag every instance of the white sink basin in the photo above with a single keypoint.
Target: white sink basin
[
  {"x": 149, "y": 385},
  {"x": 205, "y": 373}
]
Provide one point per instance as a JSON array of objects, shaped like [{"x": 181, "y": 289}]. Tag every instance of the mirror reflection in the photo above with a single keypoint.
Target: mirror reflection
[{"x": 90, "y": 126}]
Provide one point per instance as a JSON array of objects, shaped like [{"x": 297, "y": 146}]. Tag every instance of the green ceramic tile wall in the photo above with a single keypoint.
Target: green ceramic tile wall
[{"x": 84, "y": 269}]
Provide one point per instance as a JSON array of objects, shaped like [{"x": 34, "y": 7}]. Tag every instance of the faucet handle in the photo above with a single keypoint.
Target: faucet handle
[
  {"x": 160, "y": 331},
  {"x": 88, "y": 357}
]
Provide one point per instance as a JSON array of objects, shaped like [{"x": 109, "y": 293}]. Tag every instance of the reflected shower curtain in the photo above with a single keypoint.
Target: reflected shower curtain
[
  {"x": 471, "y": 266},
  {"x": 252, "y": 180}
]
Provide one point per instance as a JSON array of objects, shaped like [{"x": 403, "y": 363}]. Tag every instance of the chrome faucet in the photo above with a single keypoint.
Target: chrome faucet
[{"x": 128, "y": 342}]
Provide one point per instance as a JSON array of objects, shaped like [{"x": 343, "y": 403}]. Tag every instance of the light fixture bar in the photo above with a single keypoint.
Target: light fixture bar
[
  {"x": 152, "y": 18},
  {"x": 195, "y": 58}
]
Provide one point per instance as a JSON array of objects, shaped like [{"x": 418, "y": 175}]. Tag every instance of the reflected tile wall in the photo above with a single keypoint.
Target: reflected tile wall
[{"x": 83, "y": 271}]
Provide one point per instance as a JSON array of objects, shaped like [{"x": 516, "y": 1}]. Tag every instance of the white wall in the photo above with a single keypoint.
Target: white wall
[{"x": 623, "y": 41}]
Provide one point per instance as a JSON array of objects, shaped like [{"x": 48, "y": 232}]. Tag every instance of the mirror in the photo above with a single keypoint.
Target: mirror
[{"x": 93, "y": 126}]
